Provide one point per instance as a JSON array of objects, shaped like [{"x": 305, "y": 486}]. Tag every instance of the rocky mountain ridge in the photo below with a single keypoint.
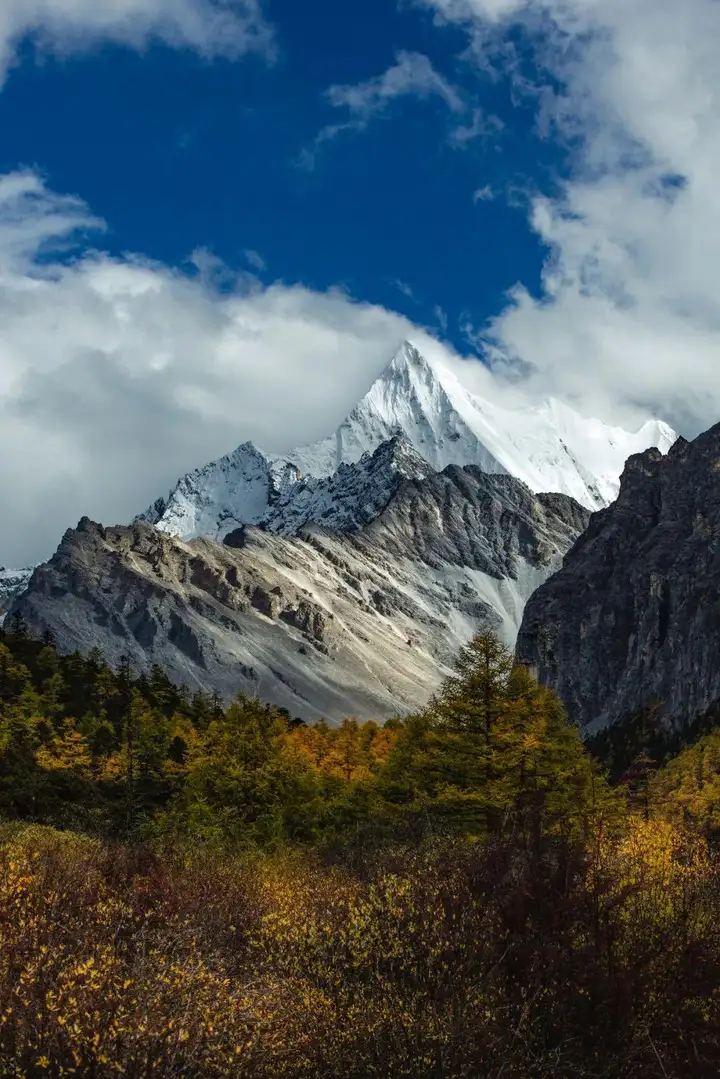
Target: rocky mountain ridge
[{"x": 360, "y": 620}]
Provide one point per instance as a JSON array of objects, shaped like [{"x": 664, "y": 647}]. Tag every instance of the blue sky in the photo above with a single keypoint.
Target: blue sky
[
  {"x": 177, "y": 153},
  {"x": 219, "y": 219}
]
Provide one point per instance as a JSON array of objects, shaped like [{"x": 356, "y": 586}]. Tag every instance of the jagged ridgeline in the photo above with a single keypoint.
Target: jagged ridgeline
[
  {"x": 549, "y": 447},
  {"x": 326, "y": 623},
  {"x": 342, "y": 578}
]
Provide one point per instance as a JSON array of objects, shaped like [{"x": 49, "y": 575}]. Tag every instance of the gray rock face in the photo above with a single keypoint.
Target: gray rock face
[
  {"x": 12, "y": 583},
  {"x": 353, "y": 496},
  {"x": 324, "y": 623},
  {"x": 632, "y": 621}
]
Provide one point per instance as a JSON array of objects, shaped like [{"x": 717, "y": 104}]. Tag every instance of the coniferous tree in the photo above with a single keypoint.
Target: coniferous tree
[{"x": 493, "y": 750}]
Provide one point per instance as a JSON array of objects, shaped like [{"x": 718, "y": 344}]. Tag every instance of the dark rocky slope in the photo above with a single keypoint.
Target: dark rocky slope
[{"x": 632, "y": 621}]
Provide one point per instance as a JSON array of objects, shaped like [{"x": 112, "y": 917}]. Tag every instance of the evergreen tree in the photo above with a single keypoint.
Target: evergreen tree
[
  {"x": 243, "y": 782},
  {"x": 493, "y": 751}
]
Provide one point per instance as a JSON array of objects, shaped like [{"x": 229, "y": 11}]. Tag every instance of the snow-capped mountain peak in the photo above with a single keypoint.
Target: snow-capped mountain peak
[
  {"x": 407, "y": 370},
  {"x": 548, "y": 446},
  {"x": 212, "y": 501}
]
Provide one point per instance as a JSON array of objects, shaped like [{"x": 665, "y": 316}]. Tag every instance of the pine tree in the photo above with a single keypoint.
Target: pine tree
[
  {"x": 471, "y": 699},
  {"x": 243, "y": 782},
  {"x": 494, "y": 750}
]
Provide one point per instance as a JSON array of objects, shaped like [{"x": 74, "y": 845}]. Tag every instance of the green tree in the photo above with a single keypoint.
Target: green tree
[
  {"x": 493, "y": 750},
  {"x": 243, "y": 781}
]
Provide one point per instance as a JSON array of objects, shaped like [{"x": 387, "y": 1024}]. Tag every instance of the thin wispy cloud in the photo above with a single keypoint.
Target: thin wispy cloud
[
  {"x": 412, "y": 75},
  {"x": 255, "y": 260},
  {"x": 406, "y": 290},
  {"x": 482, "y": 127},
  {"x": 483, "y": 194}
]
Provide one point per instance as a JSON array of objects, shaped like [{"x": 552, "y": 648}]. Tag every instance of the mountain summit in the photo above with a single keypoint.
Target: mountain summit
[{"x": 550, "y": 447}]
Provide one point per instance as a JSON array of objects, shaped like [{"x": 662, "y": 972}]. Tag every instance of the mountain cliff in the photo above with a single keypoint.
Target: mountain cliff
[
  {"x": 632, "y": 620},
  {"x": 12, "y": 583},
  {"x": 549, "y": 448},
  {"x": 352, "y": 599}
]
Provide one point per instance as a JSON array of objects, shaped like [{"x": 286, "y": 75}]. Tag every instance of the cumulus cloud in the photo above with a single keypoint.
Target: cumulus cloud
[
  {"x": 119, "y": 374},
  {"x": 212, "y": 27},
  {"x": 630, "y": 311}
]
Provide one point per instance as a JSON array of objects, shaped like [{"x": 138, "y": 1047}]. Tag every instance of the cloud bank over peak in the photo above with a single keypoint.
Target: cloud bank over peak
[
  {"x": 212, "y": 27},
  {"x": 630, "y": 310},
  {"x": 120, "y": 374}
]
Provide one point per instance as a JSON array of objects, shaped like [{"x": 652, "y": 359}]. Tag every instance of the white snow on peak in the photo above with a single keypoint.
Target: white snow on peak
[
  {"x": 549, "y": 446},
  {"x": 13, "y": 583},
  {"x": 410, "y": 395},
  {"x": 218, "y": 498}
]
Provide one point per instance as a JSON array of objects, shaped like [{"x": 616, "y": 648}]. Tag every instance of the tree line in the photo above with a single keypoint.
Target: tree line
[{"x": 84, "y": 746}]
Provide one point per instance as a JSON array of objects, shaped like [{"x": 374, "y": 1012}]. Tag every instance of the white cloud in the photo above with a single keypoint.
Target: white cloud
[
  {"x": 117, "y": 375},
  {"x": 482, "y": 126},
  {"x": 472, "y": 11},
  {"x": 255, "y": 260},
  {"x": 631, "y": 309},
  {"x": 412, "y": 75},
  {"x": 212, "y": 27},
  {"x": 484, "y": 194},
  {"x": 406, "y": 290}
]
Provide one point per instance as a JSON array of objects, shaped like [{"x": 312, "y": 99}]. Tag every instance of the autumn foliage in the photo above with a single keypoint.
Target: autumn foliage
[{"x": 189, "y": 890}]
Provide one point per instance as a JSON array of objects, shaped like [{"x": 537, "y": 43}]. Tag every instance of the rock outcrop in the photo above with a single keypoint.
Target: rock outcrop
[
  {"x": 12, "y": 583},
  {"x": 632, "y": 621},
  {"x": 326, "y": 623}
]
